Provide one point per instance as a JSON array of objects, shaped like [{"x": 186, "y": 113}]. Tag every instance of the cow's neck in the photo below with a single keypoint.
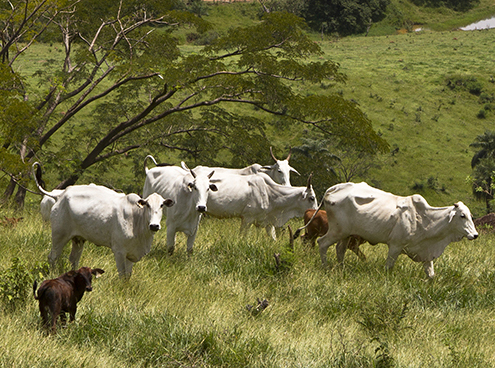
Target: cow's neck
[
  {"x": 436, "y": 221},
  {"x": 286, "y": 197}
]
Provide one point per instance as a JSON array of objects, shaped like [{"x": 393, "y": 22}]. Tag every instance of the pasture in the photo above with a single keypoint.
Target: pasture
[{"x": 180, "y": 311}]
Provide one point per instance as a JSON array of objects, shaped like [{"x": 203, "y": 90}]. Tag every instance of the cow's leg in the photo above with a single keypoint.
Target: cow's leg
[
  {"x": 58, "y": 243},
  {"x": 244, "y": 227},
  {"x": 354, "y": 244},
  {"x": 55, "y": 314},
  {"x": 341, "y": 248},
  {"x": 45, "y": 316},
  {"x": 75, "y": 254},
  {"x": 324, "y": 243},
  {"x": 190, "y": 241},
  {"x": 393, "y": 253},
  {"x": 170, "y": 239},
  {"x": 428, "y": 266},
  {"x": 124, "y": 266}
]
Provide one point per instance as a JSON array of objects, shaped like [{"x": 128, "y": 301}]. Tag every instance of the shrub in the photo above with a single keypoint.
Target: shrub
[
  {"x": 481, "y": 114},
  {"x": 16, "y": 281},
  {"x": 468, "y": 83}
]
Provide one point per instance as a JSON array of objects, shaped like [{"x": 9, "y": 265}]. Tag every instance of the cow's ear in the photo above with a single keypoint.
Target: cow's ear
[
  {"x": 293, "y": 170},
  {"x": 451, "y": 215},
  {"x": 213, "y": 187},
  {"x": 97, "y": 272},
  {"x": 141, "y": 203},
  {"x": 168, "y": 202}
]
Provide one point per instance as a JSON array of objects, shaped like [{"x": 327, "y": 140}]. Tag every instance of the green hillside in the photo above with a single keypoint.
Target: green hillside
[
  {"x": 401, "y": 80},
  {"x": 404, "y": 84}
]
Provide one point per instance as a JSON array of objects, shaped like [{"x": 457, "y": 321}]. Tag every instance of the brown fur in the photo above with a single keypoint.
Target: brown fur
[
  {"x": 319, "y": 227},
  {"x": 60, "y": 296}
]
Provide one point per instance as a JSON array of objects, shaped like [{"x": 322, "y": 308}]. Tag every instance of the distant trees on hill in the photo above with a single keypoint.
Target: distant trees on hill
[{"x": 344, "y": 17}]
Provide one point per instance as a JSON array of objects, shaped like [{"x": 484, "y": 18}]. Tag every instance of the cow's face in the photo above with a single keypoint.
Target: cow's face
[
  {"x": 309, "y": 195},
  {"x": 280, "y": 172},
  {"x": 461, "y": 218},
  {"x": 153, "y": 205},
  {"x": 83, "y": 277},
  {"x": 200, "y": 187}
]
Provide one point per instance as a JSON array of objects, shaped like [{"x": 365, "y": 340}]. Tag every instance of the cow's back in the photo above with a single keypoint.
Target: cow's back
[
  {"x": 237, "y": 195},
  {"x": 164, "y": 181},
  {"x": 358, "y": 209},
  {"x": 92, "y": 212}
]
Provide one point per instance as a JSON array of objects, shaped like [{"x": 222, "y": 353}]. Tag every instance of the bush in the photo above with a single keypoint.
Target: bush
[
  {"x": 16, "y": 282},
  {"x": 468, "y": 83},
  {"x": 344, "y": 17}
]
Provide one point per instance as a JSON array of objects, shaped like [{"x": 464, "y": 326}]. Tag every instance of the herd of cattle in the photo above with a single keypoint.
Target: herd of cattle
[{"x": 260, "y": 195}]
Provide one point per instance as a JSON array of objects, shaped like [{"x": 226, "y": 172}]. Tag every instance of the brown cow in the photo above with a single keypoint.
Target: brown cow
[
  {"x": 319, "y": 227},
  {"x": 61, "y": 295}
]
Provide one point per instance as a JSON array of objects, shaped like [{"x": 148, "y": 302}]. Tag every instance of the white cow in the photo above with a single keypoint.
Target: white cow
[
  {"x": 190, "y": 192},
  {"x": 124, "y": 223},
  {"x": 279, "y": 171},
  {"x": 47, "y": 203},
  {"x": 408, "y": 225},
  {"x": 258, "y": 200}
]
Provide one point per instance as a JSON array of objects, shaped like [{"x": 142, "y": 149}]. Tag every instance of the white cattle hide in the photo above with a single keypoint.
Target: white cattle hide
[
  {"x": 258, "y": 200},
  {"x": 408, "y": 225},
  {"x": 279, "y": 171},
  {"x": 124, "y": 223},
  {"x": 189, "y": 191}
]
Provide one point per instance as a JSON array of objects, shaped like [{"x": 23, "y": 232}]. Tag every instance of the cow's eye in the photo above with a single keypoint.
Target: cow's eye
[
  {"x": 191, "y": 186},
  {"x": 463, "y": 215},
  {"x": 312, "y": 198}
]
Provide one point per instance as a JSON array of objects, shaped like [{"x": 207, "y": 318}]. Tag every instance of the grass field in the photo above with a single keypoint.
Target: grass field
[{"x": 179, "y": 311}]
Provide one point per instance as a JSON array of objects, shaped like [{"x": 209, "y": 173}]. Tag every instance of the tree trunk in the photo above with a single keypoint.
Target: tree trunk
[
  {"x": 8, "y": 191},
  {"x": 19, "y": 198}
]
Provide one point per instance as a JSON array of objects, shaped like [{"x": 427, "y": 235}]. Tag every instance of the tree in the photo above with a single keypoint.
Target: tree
[
  {"x": 127, "y": 76},
  {"x": 332, "y": 162},
  {"x": 483, "y": 165},
  {"x": 485, "y": 146},
  {"x": 344, "y": 17}
]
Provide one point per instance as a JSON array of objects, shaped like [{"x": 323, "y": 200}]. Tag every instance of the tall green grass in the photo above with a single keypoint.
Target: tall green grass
[{"x": 193, "y": 311}]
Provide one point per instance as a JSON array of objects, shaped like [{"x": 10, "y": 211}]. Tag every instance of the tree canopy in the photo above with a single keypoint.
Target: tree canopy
[{"x": 121, "y": 83}]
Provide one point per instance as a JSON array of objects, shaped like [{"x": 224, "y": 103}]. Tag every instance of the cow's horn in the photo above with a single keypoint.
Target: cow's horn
[
  {"x": 273, "y": 156},
  {"x": 309, "y": 179},
  {"x": 290, "y": 153}
]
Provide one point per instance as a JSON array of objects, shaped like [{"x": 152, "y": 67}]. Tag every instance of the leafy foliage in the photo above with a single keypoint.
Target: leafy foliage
[
  {"x": 17, "y": 280},
  {"x": 458, "y": 5},
  {"x": 127, "y": 72},
  {"x": 344, "y": 17}
]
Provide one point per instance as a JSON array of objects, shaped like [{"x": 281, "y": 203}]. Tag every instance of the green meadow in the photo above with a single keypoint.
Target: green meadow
[
  {"x": 201, "y": 311},
  {"x": 429, "y": 94}
]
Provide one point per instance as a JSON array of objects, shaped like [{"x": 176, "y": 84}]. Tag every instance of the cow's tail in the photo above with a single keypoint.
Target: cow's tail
[
  {"x": 145, "y": 159},
  {"x": 37, "y": 179},
  {"x": 35, "y": 285},
  {"x": 298, "y": 231}
]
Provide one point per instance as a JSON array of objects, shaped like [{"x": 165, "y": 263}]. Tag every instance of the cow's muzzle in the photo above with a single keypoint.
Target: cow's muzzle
[
  {"x": 472, "y": 236},
  {"x": 201, "y": 209},
  {"x": 154, "y": 227}
]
